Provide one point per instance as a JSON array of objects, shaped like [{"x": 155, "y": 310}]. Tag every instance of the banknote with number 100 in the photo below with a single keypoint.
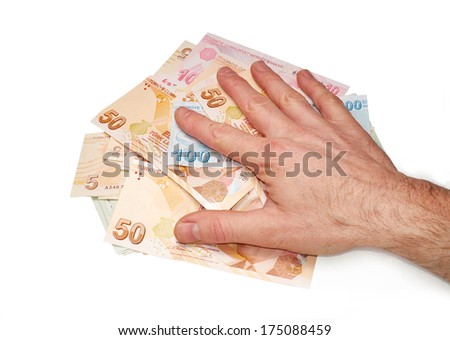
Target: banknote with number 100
[{"x": 141, "y": 120}]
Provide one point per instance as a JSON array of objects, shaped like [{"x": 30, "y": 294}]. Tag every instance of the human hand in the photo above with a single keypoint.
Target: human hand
[
  {"x": 347, "y": 193},
  {"x": 315, "y": 211}
]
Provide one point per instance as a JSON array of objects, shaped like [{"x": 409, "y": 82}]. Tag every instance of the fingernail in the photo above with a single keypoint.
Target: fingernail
[
  {"x": 306, "y": 74},
  {"x": 225, "y": 71},
  {"x": 261, "y": 66},
  {"x": 187, "y": 232}
]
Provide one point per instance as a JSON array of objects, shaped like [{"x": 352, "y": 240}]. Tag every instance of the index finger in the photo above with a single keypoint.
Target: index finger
[{"x": 224, "y": 138}]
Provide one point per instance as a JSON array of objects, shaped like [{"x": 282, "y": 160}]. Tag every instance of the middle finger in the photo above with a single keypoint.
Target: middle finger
[{"x": 259, "y": 109}]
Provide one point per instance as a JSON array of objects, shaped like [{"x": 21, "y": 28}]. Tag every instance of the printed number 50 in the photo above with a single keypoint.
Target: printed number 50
[
  {"x": 113, "y": 119},
  {"x": 213, "y": 101},
  {"x": 135, "y": 234}
]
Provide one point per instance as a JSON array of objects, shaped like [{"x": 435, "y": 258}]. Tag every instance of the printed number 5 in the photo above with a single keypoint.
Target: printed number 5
[
  {"x": 91, "y": 182},
  {"x": 113, "y": 119},
  {"x": 213, "y": 101}
]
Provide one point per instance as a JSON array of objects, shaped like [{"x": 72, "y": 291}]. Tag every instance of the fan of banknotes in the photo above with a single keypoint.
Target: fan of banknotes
[{"x": 144, "y": 173}]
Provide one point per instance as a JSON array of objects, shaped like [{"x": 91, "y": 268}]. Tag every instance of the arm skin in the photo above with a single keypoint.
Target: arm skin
[{"x": 372, "y": 205}]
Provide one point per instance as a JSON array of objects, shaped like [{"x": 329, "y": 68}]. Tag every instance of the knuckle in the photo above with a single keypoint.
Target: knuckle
[
  {"x": 255, "y": 103},
  {"x": 216, "y": 231},
  {"x": 217, "y": 130},
  {"x": 290, "y": 98}
]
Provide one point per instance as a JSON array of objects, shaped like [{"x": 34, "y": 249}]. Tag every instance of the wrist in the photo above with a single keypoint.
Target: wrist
[{"x": 416, "y": 224}]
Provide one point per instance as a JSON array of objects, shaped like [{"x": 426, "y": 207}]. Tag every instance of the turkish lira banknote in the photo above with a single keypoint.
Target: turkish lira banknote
[{"x": 144, "y": 173}]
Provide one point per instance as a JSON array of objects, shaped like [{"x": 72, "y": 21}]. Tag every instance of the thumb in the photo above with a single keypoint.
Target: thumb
[{"x": 213, "y": 226}]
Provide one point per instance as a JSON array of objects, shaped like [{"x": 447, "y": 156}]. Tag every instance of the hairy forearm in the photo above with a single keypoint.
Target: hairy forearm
[{"x": 418, "y": 225}]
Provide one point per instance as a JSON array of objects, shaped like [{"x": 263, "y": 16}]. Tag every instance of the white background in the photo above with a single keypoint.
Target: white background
[{"x": 61, "y": 63}]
